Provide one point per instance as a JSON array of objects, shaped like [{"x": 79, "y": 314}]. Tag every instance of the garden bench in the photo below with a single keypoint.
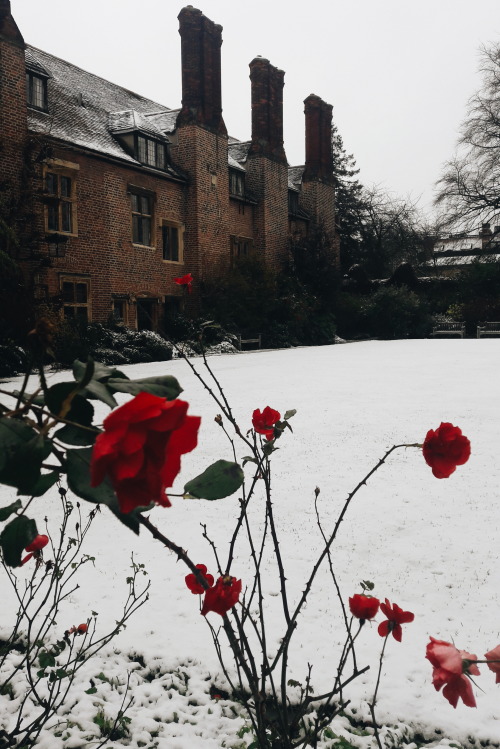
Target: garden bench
[
  {"x": 488, "y": 328},
  {"x": 448, "y": 328},
  {"x": 243, "y": 341}
]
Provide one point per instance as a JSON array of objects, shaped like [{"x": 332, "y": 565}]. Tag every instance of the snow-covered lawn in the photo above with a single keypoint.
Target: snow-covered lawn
[{"x": 430, "y": 545}]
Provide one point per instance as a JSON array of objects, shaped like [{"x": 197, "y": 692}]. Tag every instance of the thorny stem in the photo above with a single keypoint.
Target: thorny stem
[
  {"x": 374, "y": 698},
  {"x": 293, "y": 620}
]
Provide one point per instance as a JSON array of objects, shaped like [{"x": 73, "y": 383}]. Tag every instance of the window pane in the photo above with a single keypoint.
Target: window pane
[
  {"x": 151, "y": 153},
  {"x": 65, "y": 187},
  {"x": 52, "y": 218},
  {"x": 135, "y": 203},
  {"x": 174, "y": 237},
  {"x": 81, "y": 313},
  {"x": 68, "y": 291},
  {"x": 81, "y": 293},
  {"x": 160, "y": 156},
  {"x": 145, "y": 205},
  {"x": 166, "y": 243},
  {"x": 69, "y": 312},
  {"x": 146, "y": 231},
  {"x": 141, "y": 147},
  {"x": 51, "y": 183},
  {"x": 38, "y": 92},
  {"x": 66, "y": 216},
  {"x": 136, "y": 229}
]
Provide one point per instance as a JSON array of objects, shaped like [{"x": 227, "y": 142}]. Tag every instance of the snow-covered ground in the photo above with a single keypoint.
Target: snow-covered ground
[{"x": 430, "y": 545}]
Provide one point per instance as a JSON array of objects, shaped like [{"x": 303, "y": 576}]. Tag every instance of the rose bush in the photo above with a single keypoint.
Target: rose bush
[{"x": 140, "y": 449}]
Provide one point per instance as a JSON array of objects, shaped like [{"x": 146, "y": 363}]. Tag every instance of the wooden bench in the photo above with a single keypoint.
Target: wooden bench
[
  {"x": 488, "y": 328},
  {"x": 448, "y": 328},
  {"x": 243, "y": 341}
]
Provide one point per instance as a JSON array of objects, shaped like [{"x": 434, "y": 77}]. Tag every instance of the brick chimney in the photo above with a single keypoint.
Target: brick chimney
[
  {"x": 8, "y": 27},
  {"x": 267, "y": 110},
  {"x": 485, "y": 235},
  {"x": 201, "y": 41},
  {"x": 319, "y": 159}
]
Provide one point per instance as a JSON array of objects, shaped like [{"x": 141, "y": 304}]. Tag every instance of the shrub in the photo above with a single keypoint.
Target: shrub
[
  {"x": 396, "y": 312},
  {"x": 12, "y": 359}
]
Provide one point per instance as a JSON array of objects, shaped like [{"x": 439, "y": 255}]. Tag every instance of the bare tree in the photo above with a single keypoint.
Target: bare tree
[{"x": 469, "y": 188}]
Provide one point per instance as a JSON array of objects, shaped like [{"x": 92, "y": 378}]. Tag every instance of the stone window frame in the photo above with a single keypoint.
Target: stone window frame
[
  {"x": 241, "y": 247},
  {"x": 141, "y": 218},
  {"x": 236, "y": 183},
  {"x": 150, "y": 152},
  {"x": 61, "y": 200},
  {"x": 172, "y": 227},
  {"x": 75, "y": 303},
  {"x": 36, "y": 91}
]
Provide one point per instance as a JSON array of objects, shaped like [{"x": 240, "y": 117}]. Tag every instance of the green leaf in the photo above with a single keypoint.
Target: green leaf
[
  {"x": 72, "y": 435},
  {"x": 14, "y": 538},
  {"x": 92, "y": 690},
  {"x": 289, "y": 414},
  {"x": 268, "y": 447},
  {"x": 219, "y": 480},
  {"x": 78, "y": 469},
  {"x": 164, "y": 387},
  {"x": 66, "y": 393},
  {"x": 101, "y": 371},
  {"x": 24, "y": 465},
  {"x": 46, "y": 659},
  {"x": 249, "y": 459},
  {"x": 6, "y": 512},
  {"x": 44, "y": 483},
  {"x": 13, "y": 434},
  {"x": 88, "y": 373}
]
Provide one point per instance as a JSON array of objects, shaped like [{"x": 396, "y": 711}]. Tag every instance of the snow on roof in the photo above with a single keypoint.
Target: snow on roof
[
  {"x": 238, "y": 150},
  {"x": 80, "y": 104},
  {"x": 463, "y": 260},
  {"x": 295, "y": 177},
  {"x": 129, "y": 121}
]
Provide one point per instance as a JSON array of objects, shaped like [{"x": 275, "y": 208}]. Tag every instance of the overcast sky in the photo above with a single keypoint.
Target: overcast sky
[{"x": 398, "y": 73}]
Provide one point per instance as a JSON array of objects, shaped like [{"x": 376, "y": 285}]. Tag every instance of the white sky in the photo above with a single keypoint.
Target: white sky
[{"x": 398, "y": 74}]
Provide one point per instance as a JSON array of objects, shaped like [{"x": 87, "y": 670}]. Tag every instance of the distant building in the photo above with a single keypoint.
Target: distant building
[
  {"x": 116, "y": 195},
  {"x": 458, "y": 251}
]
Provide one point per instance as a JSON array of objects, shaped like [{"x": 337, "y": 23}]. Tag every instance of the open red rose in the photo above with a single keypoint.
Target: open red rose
[
  {"x": 444, "y": 449},
  {"x": 223, "y": 596},
  {"x": 263, "y": 422},
  {"x": 363, "y": 607},
  {"x": 450, "y": 670},
  {"x": 186, "y": 281},
  {"x": 141, "y": 447},
  {"x": 193, "y": 584},
  {"x": 395, "y": 618},
  {"x": 493, "y": 658}
]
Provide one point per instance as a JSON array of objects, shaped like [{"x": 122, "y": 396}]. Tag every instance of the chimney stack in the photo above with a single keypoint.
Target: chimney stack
[
  {"x": 267, "y": 110},
  {"x": 201, "y": 41},
  {"x": 319, "y": 157},
  {"x": 8, "y": 27}
]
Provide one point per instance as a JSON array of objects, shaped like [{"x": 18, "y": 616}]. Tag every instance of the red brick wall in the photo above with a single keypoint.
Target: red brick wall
[
  {"x": 103, "y": 248},
  {"x": 13, "y": 127}
]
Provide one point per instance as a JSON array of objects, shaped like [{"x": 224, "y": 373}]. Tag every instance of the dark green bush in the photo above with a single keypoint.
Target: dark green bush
[
  {"x": 12, "y": 359},
  {"x": 396, "y": 312}
]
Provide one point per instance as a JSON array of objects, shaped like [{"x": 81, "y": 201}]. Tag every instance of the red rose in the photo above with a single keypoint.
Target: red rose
[
  {"x": 37, "y": 544},
  {"x": 395, "y": 618},
  {"x": 363, "y": 607},
  {"x": 493, "y": 656},
  {"x": 264, "y": 422},
  {"x": 141, "y": 447},
  {"x": 193, "y": 584},
  {"x": 82, "y": 628},
  {"x": 223, "y": 596},
  {"x": 186, "y": 281},
  {"x": 450, "y": 669},
  {"x": 445, "y": 449}
]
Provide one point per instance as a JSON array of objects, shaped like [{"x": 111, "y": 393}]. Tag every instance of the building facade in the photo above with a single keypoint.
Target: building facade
[{"x": 114, "y": 195}]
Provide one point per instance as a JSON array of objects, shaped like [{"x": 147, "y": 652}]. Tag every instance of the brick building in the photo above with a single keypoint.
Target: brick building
[{"x": 117, "y": 195}]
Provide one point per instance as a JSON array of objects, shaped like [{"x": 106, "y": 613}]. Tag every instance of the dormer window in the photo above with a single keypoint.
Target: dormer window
[
  {"x": 237, "y": 183},
  {"x": 150, "y": 152},
  {"x": 36, "y": 91},
  {"x": 293, "y": 201}
]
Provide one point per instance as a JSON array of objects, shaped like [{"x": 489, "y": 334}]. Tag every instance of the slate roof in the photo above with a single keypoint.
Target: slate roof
[
  {"x": 86, "y": 124},
  {"x": 238, "y": 151},
  {"x": 295, "y": 177}
]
